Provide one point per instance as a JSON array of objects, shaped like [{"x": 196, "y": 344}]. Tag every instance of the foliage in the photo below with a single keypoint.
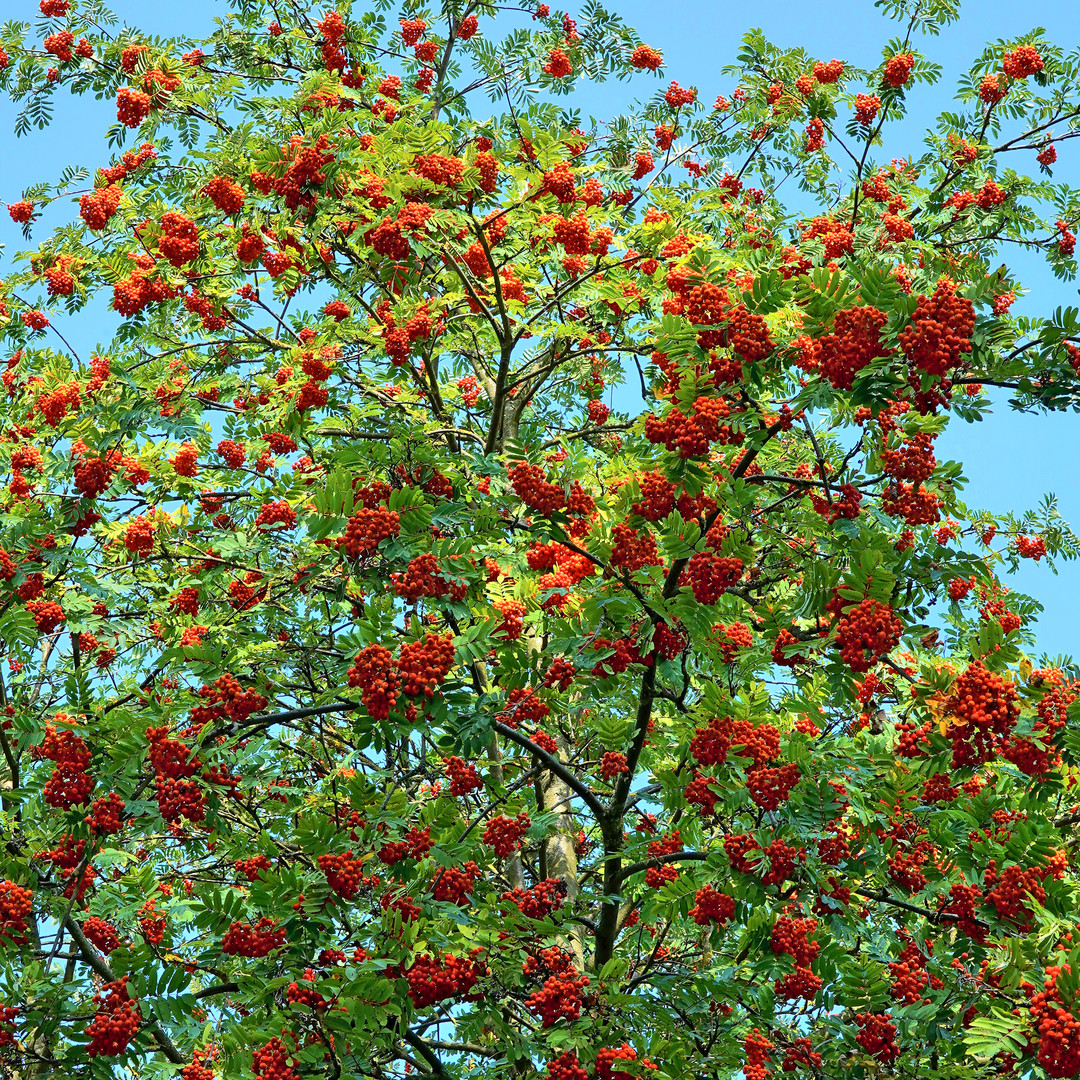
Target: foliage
[{"x": 493, "y": 608}]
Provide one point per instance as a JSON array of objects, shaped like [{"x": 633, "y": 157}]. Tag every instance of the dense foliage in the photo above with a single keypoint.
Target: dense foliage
[{"x": 493, "y": 607}]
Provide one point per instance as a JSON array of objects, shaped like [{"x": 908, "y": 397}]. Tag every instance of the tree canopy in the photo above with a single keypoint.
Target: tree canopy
[{"x": 492, "y": 608}]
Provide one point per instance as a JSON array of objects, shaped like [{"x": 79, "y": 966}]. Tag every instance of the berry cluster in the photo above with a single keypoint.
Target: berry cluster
[
  {"x": 101, "y": 934},
  {"x": 612, "y": 764},
  {"x": 939, "y": 789},
  {"x": 985, "y": 709},
  {"x": 252, "y": 867},
  {"x": 799, "y": 1053},
  {"x": 558, "y": 64},
  {"x": 830, "y": 72},
  {"x": 876, "y": 1036},
  {"x": 561, "y": 674},
  {"x": 711, "y": 906},
  {"x": 699, "y": 792},
  {"x": 646, "y": 58},
  {"x": 179, "y": 242},
  {"x": 1010, "y": 891},
  {"x": 867, "y": 632},
  {"x": 677, "y": 431},
  {"x": 908, "y": 975},
  {"x": 277, "y": 512},
  {"x": 633, "y": 550},
  {"x": 867, "y": 106},
  {"x": 70, "y": 783},
  {"x": 710, "y": 744},
  {"x": 534, "y": 490},
  {"x": 437, "y": 168},
  {"x": 770, "y": 787},
  {"x": 539, "y": 901},
  {"x": 454, "y": 884},
  {"x": 898, "y": 69},
  {"x": 1030, "y": 547},
  {"x": 132, "y": 294},
  {"x": 366, "y": 529},
  {"x": 130, "y": 160},
  {"x": 792, "y": 936},
  {"x": 914, "y": 459},
  {"x": 227, "y": 195},
  {"x": 1021, "y": 62},
  {"x": 761, "y": 743},
  {"x": 257, "y": 940},
  {"x": 47, "y": 615},
  {"x": 272, "y": 1061},
  {"x": 178, "y": 799},
  {"x": 297, "y": 994},
  {"x": 512, "y": 612},
  {"x": 1035, "y": 756},
  {"x": 755, "y": 1046},
  {"x": 559, "y": 998},
  {"x": 61, "y": 282},
  {"x": 940, "y": 330},
  {"x": 905, "y": 868},
  {"x": 657, "y": 496},
  {"x": 15, "y": 905},
  {"x": 117, "y": 1020},
  {"x": 186, "y": 601},
  {"x": 626, "y": 653},
  {"x": 374, "y": 674},
  {"x": 1059, "y": 1029},
  {"x": 749, "y": 334},
  {"x": 344, "y": 874},
  {"x": 836, "y": 237},
  {"x": 432, "y": 979},
  {"x": 669, "y": 642},
  {"x": 104, "y": 816},
  {"x": 424, "y": 664},
  {"x": 608, "y": 1058},
  {"x": 132, "y": 107},
  {"x": 504, "y": 834},
  {"x": 597, "y": 412},
  {"x": 463, "y": 776},
  {"x": 302, "y": 172},
  {"x": 226, "y": 697},
  {"x": 800, "y": 983},
  {"x": 169, "y": 756},
  {"x": 8, "y": 1015},
  {"x": 915, "y": 505},
  {"x": 566, "y": 1066},
  {"x": 709, "y": 576},
  {"x": 782, "y": 858},
  {"x": 416, "y": 845},
  {"x": 139, "y": 536},
  {"x": 199, "y": 1067},
  {"x": 731, "y": 639},
  {"x": 847, "y": 506},
  {"x": 93, "y": 475}
]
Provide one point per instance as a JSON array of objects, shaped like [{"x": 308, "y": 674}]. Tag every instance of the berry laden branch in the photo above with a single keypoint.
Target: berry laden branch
[{"x": 492, "y": 605}]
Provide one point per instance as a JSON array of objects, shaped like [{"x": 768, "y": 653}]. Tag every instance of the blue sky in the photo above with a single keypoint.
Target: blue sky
[{"x": 1011, "y": 460}]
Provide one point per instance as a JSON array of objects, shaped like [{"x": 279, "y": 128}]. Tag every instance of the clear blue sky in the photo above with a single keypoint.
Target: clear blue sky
[{"x": 1010, "y": 460}]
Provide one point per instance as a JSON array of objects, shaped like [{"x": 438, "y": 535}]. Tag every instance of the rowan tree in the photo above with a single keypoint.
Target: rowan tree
[{"x": 493, "y": 607}]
